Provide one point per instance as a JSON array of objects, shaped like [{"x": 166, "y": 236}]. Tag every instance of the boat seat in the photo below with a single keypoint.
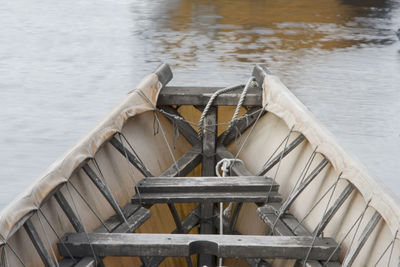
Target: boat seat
[
  {"x": 256, "y": 189},
  {"x": 184, "y": 245}
]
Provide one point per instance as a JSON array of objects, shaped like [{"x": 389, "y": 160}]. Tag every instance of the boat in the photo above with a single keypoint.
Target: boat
[{"x": 242, "y": 175}]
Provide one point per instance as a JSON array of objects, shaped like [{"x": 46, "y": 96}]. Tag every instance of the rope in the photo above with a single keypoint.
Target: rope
[
  {"x": 210, "y": 101},
  {"x": 13, "y": 251},
  {"x": 80, "y": 219},
  {"x": 48, "y": 240},
  {"x": 348, "y": 232},
  {"x": 108, "y": 188},
  {"x": 58, "y": 237},
  {"x": 250, "y": 83},
  {"x": 130, "y": 168},
  {"x": 323, "y": 215}
]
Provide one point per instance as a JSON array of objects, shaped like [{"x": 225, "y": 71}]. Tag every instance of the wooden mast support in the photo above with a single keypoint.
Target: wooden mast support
[{"x": 208, "y": 169}]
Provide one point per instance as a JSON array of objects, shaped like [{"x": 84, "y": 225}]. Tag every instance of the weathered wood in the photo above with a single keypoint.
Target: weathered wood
[
  {"x": 183, "y": 245},
  {"x": 260, "y": 71},
  {"x": 214, "y": 197},
  {"x": 131, "y": 157},
  {"x": 303, "y": 185},
  {"x": 237, "y": 168},
  {"x": 103, "y": 188},
  {"x": 186, "y": 163},
  {"x": 183, "y": 95},
  {"x": 187, "y": 225},
  {"x": 354, "y": 250},
  {"x": 208, "y": 169},
  {"x": 69, "y": 212},
  {"x": 187, "y": 131},
  {"x": 163, "y": 73},
  {"x": 332, "y": 210},
  {"x": 235, "y": 215},
  {"x": 175, "y": 216},
  {"x": 281, "y": 155},
  {"x": 207, "y": 184},
  {"x": 84, "y": 262},
  {"x": 37, "y": 242},
  {"x": 269, "y": 216},
  {"x": 241, "y": 125}
]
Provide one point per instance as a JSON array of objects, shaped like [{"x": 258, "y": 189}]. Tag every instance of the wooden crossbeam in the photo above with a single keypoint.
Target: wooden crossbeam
[
  {"x": 37, "y": 242},
  {"x": 183, "y": 245},
  {"x": 185, "y": 164},
  {"x": 207, "y": 184},
  {"x": 241, "y": 125},
  {"x": 190, "y": 95},
  {"x": 187, "y": 131},
  {"x": 237, "y": 168},
  {"x": 281, "y": 155},
  {"x": 76, "y": 223},
  {"x": 131, "y": 157}
]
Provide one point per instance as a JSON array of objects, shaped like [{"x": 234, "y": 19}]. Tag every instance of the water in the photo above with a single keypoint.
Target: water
[{"x": 64, "y": 64}]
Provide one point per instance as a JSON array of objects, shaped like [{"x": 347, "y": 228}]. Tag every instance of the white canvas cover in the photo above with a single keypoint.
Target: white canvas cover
[
  {"x": 143, "y": 98},
  {"x": 278, "y": 99}
]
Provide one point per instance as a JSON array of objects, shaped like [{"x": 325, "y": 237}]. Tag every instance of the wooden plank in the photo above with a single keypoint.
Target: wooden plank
[
  {"x": 237, "y": 168},
  {"x": 103, "y": 188},
  {"x": 351, "y": 256},
  {"x": 187, "y": 131},
  {"x": 69, "y": 212},
  {"x": 215, "y": 197},
  {"x": 190, "y": 95},
  {"x": 332, "y": 210},
  {"x": 131, "y": 157},
  {"x": 241, "y": 125},
  {"x": 37, "y": 242},
  {"x": 207, "y": 184},
  {"x": 186, "y": 163},
  {"x": 183, "y": 245},
  {"x": 187, "y": 225},
  {"x": 260, "y": 71},
  {"x": 281, "y": 155},
  {"x": 208, "y": 169},
  {"x": 303, "y": 185},
  {"x": 164, "y": 73},
  {"x": 175, "y": 215},
  {"x": 269, "y": 216}
]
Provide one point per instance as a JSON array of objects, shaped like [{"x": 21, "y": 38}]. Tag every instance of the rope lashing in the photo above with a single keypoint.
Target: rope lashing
[{"x": 225, "y": 165}]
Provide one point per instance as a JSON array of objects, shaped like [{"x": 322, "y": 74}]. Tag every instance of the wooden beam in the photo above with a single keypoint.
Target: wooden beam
[
  {"x": 281, "y": 155},
  {"x": 37, "y": 242},
  {"x": 351, "y": 256},
  {"x": 260, "y": 71},
  {"x": 186, "y": 163},
  {"x": 183, "y": 245},
  {"x": 242, "y": 125},
  {"x": 207, "y": 184},
  {"x": 164, "y": 73},
  {"x": 131, "y": 157},
  {"x": 187, "y": 131},
  {"x": 103, "y": 188},
  {"x": 175, "y": 215},
  {"x": 208, "y": 198},
  {"x": 69, "y": 212},
  {"x": 303, "y": 185},
  {"x": 237, "y": 168},
  {"x": 189, "y": 95},
  {"x": 208, "y": 169},
  {"x": 332, "y": 210},
  {"x": 269, "y": 216}
]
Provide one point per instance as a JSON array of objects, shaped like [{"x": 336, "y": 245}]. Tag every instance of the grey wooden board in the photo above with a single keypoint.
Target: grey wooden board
[
  {"x": 131, "y": 157},
  {"x": 186, "y": 163},
  {"x": 269, "y": 217},
  {"x": 187, "y": 224},
  {"x": 69, "y": 212},
  {"x": 187, "y": 131},
  {"x": 164, "y": 73},
  {"x": 281, "y": 155},
  {"x": 37, "y": 242},
  {"x": 355, "y": 249},
  {"x": 190, "y": 95},
  {"x": 240, "y": 125},
  {"x": 84, "y": 262},
  {"x": 182, "y": 245},
  {"x": 259, "y": 72},
  {"x": 237, "y": 168},
  {"x": 214, "y": 197},
  {"x": 206, "y": 184}
]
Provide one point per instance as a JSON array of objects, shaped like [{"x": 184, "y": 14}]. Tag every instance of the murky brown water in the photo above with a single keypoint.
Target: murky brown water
[{"x": 64, "y": 64}]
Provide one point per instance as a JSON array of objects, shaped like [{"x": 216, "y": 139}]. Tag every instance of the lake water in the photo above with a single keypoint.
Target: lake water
[{"x": 64, "y": 64}]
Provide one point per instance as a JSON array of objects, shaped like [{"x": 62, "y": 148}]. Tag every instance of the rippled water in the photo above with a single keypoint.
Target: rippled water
[{"x": 64, "y": 64}]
